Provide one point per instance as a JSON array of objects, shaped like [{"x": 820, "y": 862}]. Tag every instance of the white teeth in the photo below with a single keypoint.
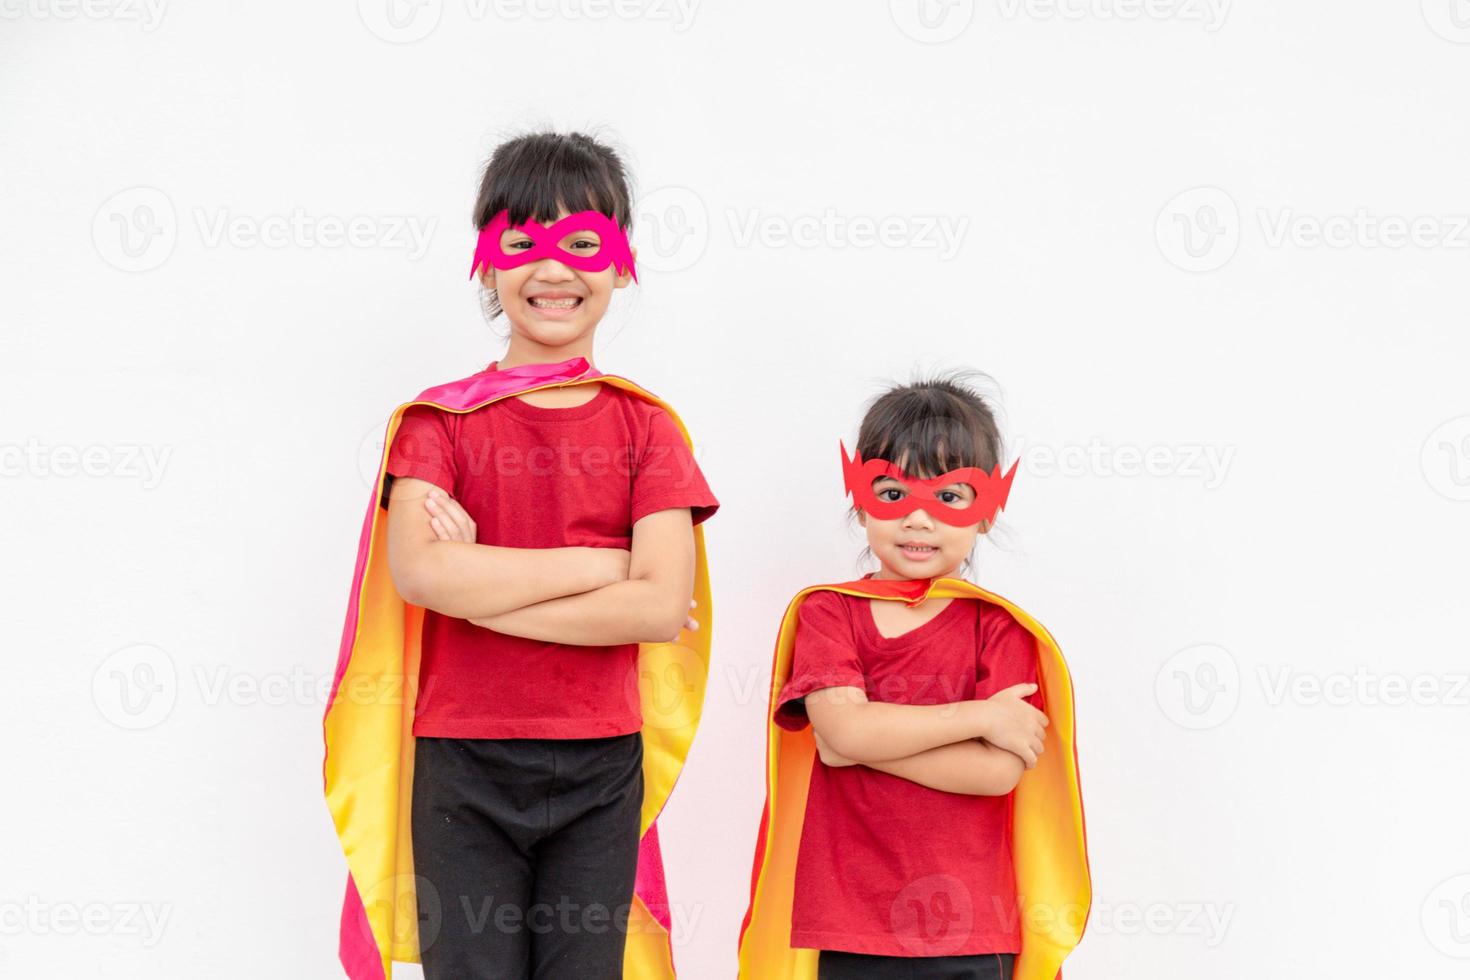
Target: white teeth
[{"x": 555, "y": 304}]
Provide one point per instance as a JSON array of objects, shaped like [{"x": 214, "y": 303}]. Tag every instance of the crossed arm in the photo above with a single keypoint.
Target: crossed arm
[
  {"x": 953, "y": 747},
  {"x": 579, "y": 596}
]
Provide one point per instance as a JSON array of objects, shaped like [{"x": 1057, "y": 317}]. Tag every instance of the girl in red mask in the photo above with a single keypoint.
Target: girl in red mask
[{"x": 887, "y": 848}]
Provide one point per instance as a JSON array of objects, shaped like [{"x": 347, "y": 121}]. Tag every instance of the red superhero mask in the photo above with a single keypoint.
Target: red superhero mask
[
  {"x": 991, "y": 491},
  {"x": 546, "y": 244}
]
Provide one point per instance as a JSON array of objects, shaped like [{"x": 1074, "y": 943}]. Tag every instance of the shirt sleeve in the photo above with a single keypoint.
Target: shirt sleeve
[
  {"x": 666, "y": 474},
  {"x": 1007, "y": 656},
  {"x": 825, "y": 655},
  {"x": 423, "y": 448}
]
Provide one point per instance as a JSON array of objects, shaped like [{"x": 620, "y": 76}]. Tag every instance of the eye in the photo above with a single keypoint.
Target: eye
[
  {"x": 582, "y": 243},
  {"x": 515, "y": 241},
  {"x": 956, "y": 498},
  {"x": 884, "y": 494}
]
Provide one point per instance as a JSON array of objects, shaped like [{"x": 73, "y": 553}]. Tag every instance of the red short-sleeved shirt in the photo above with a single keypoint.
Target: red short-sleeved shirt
[
  {"x": 534, "y": 477},
  {"x": 887, "y": 866}
]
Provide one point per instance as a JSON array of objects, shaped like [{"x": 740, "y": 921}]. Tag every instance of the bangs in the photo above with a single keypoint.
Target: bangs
[
  {"x": 539, "y": 177},
  {"x": 931, "y": 428},
  {"x": 928, "y": 446}
]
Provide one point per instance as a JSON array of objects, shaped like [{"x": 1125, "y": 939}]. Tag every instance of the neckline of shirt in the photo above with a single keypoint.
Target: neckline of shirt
[
  {"x": 870, "y": 625},
  {"x": 571, "y": 413}
]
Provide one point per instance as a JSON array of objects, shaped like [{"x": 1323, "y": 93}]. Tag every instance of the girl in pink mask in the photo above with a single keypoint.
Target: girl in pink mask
[
  {"x": 913, "y": 715},
  {"x": 543, "y": 541}
]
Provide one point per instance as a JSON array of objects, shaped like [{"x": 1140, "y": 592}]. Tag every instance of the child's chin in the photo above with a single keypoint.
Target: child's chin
[{"x": 552, "y": 334}]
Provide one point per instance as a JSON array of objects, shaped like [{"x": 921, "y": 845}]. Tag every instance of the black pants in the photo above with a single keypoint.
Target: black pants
[
  {"x": 840, "y": 965},
  {"x": 526, "y": 850}
]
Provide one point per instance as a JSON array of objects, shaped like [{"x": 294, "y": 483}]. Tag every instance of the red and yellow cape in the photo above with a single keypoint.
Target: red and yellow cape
[
  {"x": 368, "y": 727},
  {"x": 1053, "y": 883}
]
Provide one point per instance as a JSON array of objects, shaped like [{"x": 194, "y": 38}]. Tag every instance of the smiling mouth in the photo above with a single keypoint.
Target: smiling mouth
[
  {"x": 918, "y": 550},
  {"x": 556, "y": 303}
]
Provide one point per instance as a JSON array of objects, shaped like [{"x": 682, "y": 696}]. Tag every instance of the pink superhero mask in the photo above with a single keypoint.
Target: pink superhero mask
[
  {"x": 546, "y": 244},
  {"x": 991, "y": 490}
]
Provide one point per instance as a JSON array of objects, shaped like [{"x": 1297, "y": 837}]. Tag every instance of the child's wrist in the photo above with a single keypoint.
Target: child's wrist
[{"x": 982, "y": 718}]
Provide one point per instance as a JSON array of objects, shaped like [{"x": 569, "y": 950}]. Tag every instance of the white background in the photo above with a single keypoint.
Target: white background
[{"x": 1176, "y": 227}]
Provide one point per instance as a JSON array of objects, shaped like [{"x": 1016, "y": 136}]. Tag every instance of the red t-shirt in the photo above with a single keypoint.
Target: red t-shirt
[
  {"x": 534, "y": 477},
  {"x": 887, "y": 866}
]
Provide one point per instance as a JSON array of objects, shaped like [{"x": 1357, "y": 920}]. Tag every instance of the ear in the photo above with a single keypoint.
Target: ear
[
  {"x": 487, "y": 277},
  {"x": 985, "y": 526},
  {"x": 862, "y": 517},
  {"x": 626, "y": 276}
]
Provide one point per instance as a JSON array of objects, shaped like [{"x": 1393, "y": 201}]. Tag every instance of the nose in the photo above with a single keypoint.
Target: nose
[
  {"x": 552, "y": 270},
  {"x": 918, "y": 517}
]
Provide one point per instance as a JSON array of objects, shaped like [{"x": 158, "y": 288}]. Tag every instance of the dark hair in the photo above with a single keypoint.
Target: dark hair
[
  {"x": 932, "y": 425},
  {"x": 538, "y": 175}
]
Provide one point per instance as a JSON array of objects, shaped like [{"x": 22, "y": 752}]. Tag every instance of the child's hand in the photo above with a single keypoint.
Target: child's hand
[
  {"x": 1015, "y": 725},
  {"x": 828, "y": 755},
  {"x": 449, "y": 520}
]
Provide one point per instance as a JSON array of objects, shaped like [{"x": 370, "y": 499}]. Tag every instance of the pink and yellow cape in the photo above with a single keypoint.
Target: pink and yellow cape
[
  {"x": 368, "y": 727},
  {"x": 1053, "y": 882}
]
